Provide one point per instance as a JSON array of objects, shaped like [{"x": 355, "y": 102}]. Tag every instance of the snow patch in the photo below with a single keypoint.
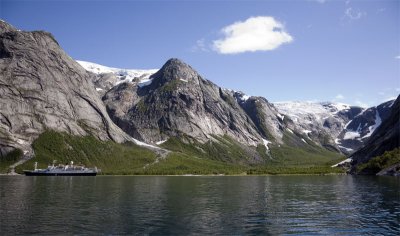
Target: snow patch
[
  {"x": 307, "y": 131},
  {"x": 303, "y": 140},
  {"x": 144, "y": 82},
  {"x": 245, "y": 97},
  {"x": 372, "y": 128},
  {"x": 161, "y": 142},
  {"x": 348, "y": 160},
  {"x": 347, "y": 124},
  {"x": 184, "y": 80},
  {"x": 351, "y": 135},
  {"x": 137, "y": 142},
  {"x": 281, "y": 116},
  {"x": 99, "y": 89},
  {"x": 307, "y": 113},
  {"x": 266, "y": 142},
  {"x": 310, "y": 112},
  {"x": 289, "y": 130},
  {"x": 340, "y": 106},
  {"x": 20, "y": 141},
  {"x": 122, "y": 75},
  {"x": 241, "y": 96},
  {"x": 345, "y": 148}
]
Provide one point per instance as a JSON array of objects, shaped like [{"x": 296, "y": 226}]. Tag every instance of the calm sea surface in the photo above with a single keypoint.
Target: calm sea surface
[{"x": 115, "y": 205}]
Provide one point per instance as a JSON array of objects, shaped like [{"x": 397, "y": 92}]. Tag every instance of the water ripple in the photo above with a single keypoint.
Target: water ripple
[{"x": 284, "y": 205}]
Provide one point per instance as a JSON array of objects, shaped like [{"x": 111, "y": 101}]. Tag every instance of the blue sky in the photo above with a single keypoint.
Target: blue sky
[{"x": 315, "y": 50}]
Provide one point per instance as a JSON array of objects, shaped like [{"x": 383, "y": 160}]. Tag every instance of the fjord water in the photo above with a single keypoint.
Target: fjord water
[{"x": 115, "y": 205}]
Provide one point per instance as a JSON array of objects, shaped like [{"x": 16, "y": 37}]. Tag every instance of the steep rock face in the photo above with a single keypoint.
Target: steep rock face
[
  {"x": 385, "y": 138},
  {"x": 359, "y": 129},
  {"x": 41, "y": 88},
  {"x": 268, "y": 121},
  {"x": 179, "y": 101}
]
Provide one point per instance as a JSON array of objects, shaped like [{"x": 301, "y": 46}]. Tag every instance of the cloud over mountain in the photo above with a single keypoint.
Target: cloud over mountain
[{"x": 261, "y": 33}]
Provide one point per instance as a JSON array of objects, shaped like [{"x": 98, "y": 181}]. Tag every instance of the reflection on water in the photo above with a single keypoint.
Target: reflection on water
[{"x": 200, "y": 205}]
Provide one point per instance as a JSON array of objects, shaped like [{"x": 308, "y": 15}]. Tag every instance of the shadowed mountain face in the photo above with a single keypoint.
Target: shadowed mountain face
[
  {"x": 41, "y": 88},
  {"x": 385, "y": 138},
  {"x": 360, "y": 128}
]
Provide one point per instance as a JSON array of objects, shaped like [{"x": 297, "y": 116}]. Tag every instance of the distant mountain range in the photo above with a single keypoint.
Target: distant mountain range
[
  {"x": 42, "y": 88},
  {"x": 335, "y": 126}
]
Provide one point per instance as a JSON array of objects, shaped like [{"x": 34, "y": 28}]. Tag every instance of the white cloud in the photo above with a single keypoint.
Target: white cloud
[
  {"x": 339, "y": 97},
  {"x": 354, "y": 14},
  {"x": 397, "y": 57},
  {"x": 397, "y": 89},
  {"x": 261, "y": 33}
]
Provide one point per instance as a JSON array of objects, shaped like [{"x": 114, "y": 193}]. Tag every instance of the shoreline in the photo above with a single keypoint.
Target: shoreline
[{"x": 206, "y": 175}]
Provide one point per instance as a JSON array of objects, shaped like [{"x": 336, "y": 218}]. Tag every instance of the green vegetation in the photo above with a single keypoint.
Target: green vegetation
[
  {"x": 223, "y": 155},
  {"x": 299, "y": 160},
  {"x": 262, "y": 151},
  {"x": 110, "y": 157},
  {"x": 9, "y": 159},
  {"x": 223, "y": 149},
  {"x": 307, "y": 156},
  {"x": 379, "y": 163},
  {"x": 170, "y": 86},
  {"x": 278, "y": 170},
  {"x": 141, "y": 107},
  {"x": 282, "y": 159},
  {"x": 180, "y": 164}
]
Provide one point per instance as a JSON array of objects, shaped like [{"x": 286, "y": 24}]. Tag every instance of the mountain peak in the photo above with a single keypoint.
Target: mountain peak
[
  {"x": 177, "y": 65},
  {"x": 6, "y": 27},
  {"x": 175, "y": 61},
  {"x": 174, "y": 69}
]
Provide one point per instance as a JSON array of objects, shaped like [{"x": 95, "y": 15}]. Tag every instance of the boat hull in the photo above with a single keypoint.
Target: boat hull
[{"x": 33, "y": 173}]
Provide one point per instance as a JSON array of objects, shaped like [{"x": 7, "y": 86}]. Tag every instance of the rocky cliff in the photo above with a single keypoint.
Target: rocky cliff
[
  {"x": 41, "y": 88},
  {"x": 385, "y": 138},
  {"x": 179, "y": 101},
  {"x": 360, "y": 128}
]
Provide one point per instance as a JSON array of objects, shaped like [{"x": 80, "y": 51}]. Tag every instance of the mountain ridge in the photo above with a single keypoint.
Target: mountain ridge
[
  {"x": 43, "y": 88},
  {"x": 330, "y": 132},
  {"x": 175, "y": 107},
  {"x": 386, "y": 137}
]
